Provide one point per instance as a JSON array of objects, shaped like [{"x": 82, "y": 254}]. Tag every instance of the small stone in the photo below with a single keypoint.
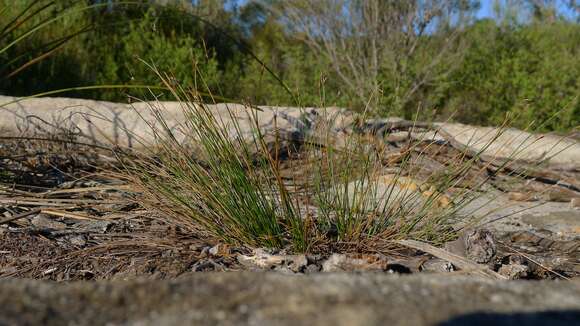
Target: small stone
[
  {"x": 219, "y": 250},
  {"x": 78, "y": 240},
  {"x": 263, "y": 260},
  {"x": 514, "y": 271},
  {"x": 477, "y": 245},
  {"x": 93, "y": 226},
  {"x": 296, "y": 263},
  {"x": 437, "y": 265},
  {"x": 480, "y": 246},
  {"x": 42, "y": 221},
  {"x": 214, "y": 250},
  {"x": 195, "y": 247},
  {"x": 340, "y": 262},
  {"x": 312, "y": 268}
]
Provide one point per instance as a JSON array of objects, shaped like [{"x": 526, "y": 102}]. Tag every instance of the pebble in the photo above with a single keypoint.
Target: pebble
[
  {"x": 41, "y": 221},
  {"x": 437, "y": 265},
  {"x": 219, "y": 250},
  {"x": 340, "y": 262},
  {"x": 514, "y": 271},
  {"x": 78, "y": 240},
  {"x": 261, "y": 259}
]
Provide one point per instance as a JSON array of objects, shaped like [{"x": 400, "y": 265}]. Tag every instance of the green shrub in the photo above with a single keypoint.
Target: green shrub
[
  {"x": 529, "y": 68},
  {"x": 108, "y": 48},
  {"x": 532, "y": 71},
  {"x": 148, "y": 40}
]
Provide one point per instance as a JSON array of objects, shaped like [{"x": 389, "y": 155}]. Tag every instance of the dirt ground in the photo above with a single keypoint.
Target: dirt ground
[{"x": 64, "y": 215}]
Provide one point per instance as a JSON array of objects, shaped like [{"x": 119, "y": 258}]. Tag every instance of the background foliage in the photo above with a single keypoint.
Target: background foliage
[{"x": 525, "y": 61}]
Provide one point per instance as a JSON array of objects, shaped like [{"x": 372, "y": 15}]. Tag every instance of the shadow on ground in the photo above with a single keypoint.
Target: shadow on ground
[{"x": 552, "y": 318}]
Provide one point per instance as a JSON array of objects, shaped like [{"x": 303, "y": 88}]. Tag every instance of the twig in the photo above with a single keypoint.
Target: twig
[
  {"x": 15, "y": 202},
  {"x": 88, "y": 189},
  {"x": 528, "y": 257},
  {"x": 67, "y": 214},
  {"x": 55, "y": 201},
  {"x": 460, "y": 262},
  {"x": 19, "y": 216}
]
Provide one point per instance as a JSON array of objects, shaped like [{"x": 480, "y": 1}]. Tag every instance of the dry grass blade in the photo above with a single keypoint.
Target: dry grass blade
[
  {"x": 85, "y": 190},
  {"x": 59, "y": 213}
]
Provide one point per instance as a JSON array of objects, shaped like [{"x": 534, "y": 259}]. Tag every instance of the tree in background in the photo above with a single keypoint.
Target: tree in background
[
  {"x": 522, "y": 63},
  {"x": 374, "y": 47},
  {"x": 156, "y": 39},
  {"x": 391, "y": 57}
]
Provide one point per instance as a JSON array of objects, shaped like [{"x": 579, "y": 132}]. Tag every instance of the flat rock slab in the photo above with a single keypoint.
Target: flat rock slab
[
  {"x": 130, "y": 125},
  {"x": 504, "y": 215},
  {"x": 127, "y": 125},
  {"x": 516, "y": 144},
  {"x": 563, "y": 223},
  {"x": 276, "y": 299}
]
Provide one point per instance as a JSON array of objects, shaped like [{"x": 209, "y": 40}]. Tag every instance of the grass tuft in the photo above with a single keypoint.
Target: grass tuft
[{"x": 212, "y": 177}]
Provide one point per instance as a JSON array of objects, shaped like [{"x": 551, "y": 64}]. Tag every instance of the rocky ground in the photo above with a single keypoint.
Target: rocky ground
[
  {"x": 277, "y": 299},
  {"x": 67, "y": 216}
]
